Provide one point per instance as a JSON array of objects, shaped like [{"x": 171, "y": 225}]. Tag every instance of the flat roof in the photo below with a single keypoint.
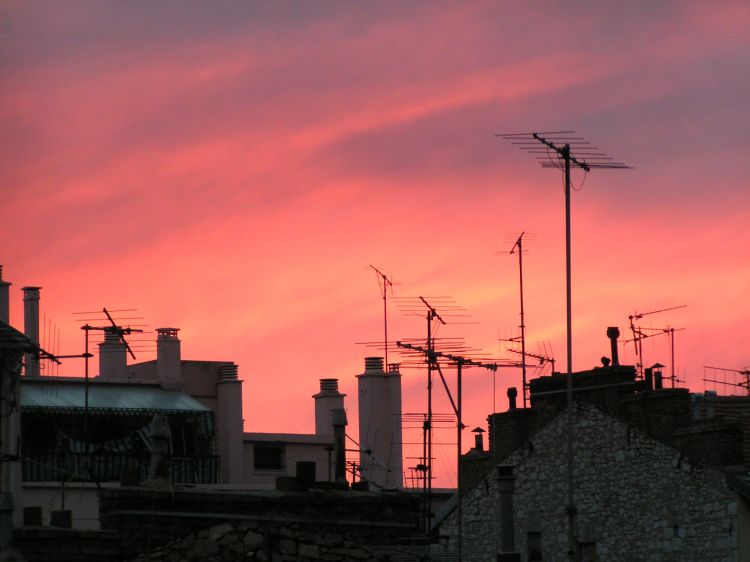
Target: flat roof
[{"x": 295, "y": 438}]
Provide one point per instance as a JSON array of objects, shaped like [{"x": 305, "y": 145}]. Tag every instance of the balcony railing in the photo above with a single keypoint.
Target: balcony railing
[{"x": 102, "y": 467}]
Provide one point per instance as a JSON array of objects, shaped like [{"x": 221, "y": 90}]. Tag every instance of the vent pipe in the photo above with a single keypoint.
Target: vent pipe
[
  {"x": 31, "y": 327},
  {"x": 4, "y": 298},
  {"x": 613, "y": 332}
]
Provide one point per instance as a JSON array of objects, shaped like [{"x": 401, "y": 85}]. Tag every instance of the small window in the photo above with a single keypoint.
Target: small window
[{"x": 268, "y": 457}]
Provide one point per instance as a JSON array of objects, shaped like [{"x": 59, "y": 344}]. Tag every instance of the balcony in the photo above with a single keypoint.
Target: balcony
[{"x": 108, "y": 467}]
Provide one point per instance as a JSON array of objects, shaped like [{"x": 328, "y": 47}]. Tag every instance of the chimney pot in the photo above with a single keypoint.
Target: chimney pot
[
  {"x": 373, "y": 364},
  {"x": 512, "y": 394},
  {"x": 613, "y": 332},
  {"x": 4, "y": 298},
  {"x": 31, "y": 326},
  {"x": 330, "y": 385}
]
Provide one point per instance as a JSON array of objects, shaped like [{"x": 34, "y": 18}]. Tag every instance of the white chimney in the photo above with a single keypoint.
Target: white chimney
[
  {"x": 113, "y": 357},
  {"x": 329, "y": 398},
  {"x": 31, "y": 326},
  {"x": 168, "y": 359},
  {"x": 380, "y": 424},
  {"x": 4, "y": 299},
  {"x": 229, "y": 424}
]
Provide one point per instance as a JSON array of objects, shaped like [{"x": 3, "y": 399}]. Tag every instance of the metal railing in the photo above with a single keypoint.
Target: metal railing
[{"x": 108, "y": 467}]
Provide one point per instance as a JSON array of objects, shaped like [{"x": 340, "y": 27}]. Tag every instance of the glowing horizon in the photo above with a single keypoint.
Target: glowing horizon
[{"x": 233, "y": 171}]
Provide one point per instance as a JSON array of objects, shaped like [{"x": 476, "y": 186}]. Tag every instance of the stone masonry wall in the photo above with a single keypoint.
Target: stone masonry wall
[
  {"x": 251, "y": 541},
  {"x": 146, "y": 519},
  {"x": 637, "y": 499}
]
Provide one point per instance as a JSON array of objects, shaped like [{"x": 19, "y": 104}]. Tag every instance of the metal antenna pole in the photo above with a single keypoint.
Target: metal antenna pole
[
  {"x": 671, "y": 345},
  {"x": 458, "y": 462},
  {"x": 556, "y": 147},
  {"x": 86, "y": 329},
  {"x": 519, "y": 243},
  {"x": 384, "y": 289},
  {"x": 428, "y": 423},
  {"x": 569, "y": 382}
]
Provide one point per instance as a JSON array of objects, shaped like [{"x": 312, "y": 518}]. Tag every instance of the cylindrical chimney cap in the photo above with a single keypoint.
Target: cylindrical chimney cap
[
  {"x": 613, "y": 332},
  {"x": 330, "y": 385},
  {"x": 167, "y": 333},
  {"x": 373, "y": 364},
  {"x": 228, "y": 371}
]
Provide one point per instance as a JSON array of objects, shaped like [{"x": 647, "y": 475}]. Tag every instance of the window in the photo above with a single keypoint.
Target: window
[{"x": 268, "y": 456}]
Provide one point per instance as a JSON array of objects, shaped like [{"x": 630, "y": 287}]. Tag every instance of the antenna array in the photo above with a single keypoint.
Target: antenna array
[{"x": 563, "y": 150}]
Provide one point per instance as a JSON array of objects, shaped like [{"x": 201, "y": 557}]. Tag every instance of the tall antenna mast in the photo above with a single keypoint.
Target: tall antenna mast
[
  {"x": 384, "y": 282},
  {"x": 432, "y": 315},
  {"x": 519, "y": 245},
  {"x": 554, "y": 149}
]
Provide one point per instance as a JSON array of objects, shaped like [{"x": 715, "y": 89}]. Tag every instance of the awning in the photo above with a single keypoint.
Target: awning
[{"x": 66, "y": 396}]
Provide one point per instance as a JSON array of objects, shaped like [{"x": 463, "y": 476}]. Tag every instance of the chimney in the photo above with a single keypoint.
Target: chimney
[
  {"x": 613, "y": 332},
  {"x": 379, "y": 398},
  {"x": 338, "y": 418},
  {"x": 328, "y": 399},
  {"x": 505, "y": 486},
  {"x": 4, "y": 298},
  {"x": 478, "y": 438},
  {"x": 512, "y": 394},
  {"x": 31, "y": 326},
  {"x": 113, "y": 357},
  {"x": 229, "y": 424},
  {"x": 168, "y": 359},
  {"x": 658, "y": 379},
  {"x": 648, "y": 374}
]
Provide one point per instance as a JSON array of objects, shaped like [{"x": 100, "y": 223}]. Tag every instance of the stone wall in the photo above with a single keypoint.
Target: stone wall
[
  {"x": 146, "y": 519},
  {"x": 252, "y": 541},
  {"x": 44, "y": 544},
  {"x": 637, "y": 498}
]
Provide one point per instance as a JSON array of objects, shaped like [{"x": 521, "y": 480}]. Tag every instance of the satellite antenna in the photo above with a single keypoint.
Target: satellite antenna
[
  {"x": 561, "y": 150},
  {"x": 742, "y": 384},
  {"x": 384, "y": 282}
]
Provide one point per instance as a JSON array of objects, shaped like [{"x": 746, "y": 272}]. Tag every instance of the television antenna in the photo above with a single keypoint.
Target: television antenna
[
  {"x": 517, "y": 248},
  {"x": 561, "y": 150},
  {"x": 741, "y": 384},
  {"x": 428, "y": 309},
  {"x": 460, "y": 362},
  {"x": 112, "y": 328},
  {"x": 385, "y": 283},
  {"x": 639, "y": 336}
]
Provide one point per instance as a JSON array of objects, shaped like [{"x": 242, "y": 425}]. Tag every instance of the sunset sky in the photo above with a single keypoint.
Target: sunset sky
[{"x": 233, "y": 168}]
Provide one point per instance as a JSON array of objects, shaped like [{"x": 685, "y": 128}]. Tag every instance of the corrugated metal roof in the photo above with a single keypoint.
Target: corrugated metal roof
[{"x": 70, "y": 395}]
